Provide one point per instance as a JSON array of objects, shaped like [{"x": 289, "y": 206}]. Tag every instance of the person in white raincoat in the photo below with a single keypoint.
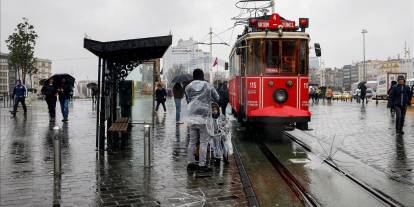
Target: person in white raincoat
[{"x": 200, "y": 94}]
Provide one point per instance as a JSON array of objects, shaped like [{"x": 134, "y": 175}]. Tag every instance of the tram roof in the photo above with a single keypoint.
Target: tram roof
[{"x": 275, "y": 35}]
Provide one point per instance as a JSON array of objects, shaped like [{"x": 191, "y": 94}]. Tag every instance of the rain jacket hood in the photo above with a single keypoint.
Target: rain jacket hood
[{"x": 200, "y": 95}]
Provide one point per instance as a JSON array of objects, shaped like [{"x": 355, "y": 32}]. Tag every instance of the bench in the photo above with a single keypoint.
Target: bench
[{"x": 119, "y": 127}]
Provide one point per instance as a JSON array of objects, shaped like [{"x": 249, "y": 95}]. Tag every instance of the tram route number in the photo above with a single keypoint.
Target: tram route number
[{"x": 253, "y": 85}]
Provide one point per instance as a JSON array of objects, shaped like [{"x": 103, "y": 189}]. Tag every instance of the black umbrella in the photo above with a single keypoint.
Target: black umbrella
[
  {"x": 42, "y": 82},
  {"x": 92, "y": 85},
  {"x": 182, "y": 78},
  {"x": 361, "y": 84},
  {"x": 57, "y": 79}
]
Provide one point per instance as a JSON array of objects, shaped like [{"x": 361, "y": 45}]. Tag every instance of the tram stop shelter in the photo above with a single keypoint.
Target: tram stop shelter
[{"x": 116, "y": 60}]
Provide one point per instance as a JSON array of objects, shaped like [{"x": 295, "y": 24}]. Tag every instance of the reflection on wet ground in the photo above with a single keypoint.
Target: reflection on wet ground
[
  {"x": 367, "y": 132},
  {"x": 93, "y": 179}
]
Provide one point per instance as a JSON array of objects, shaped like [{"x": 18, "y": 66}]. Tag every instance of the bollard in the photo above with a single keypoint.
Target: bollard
[
  {"x": 147, "y": 146},
  {"x": 57, "y": 151}
]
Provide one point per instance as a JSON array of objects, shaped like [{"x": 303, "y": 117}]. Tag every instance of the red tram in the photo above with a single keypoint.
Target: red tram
[{"x": 269, "y": 72}]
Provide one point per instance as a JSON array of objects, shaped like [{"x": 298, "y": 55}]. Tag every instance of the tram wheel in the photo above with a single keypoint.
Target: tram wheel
[{"x": 302, "y": 126}]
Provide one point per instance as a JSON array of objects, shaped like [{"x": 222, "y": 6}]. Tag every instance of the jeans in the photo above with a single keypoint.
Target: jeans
[
  {"x": 177, "y": 109},
  {"x": 16, "y": 103},
  {"x": 399, "y": 121},
  {"x": 51, "y": 105},
  {"x": 64, "y": 107},
  {"x": 198, "y": 132}
]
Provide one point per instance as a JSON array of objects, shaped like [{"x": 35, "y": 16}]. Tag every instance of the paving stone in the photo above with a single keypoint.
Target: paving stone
[{"x": 109, "y": 179}]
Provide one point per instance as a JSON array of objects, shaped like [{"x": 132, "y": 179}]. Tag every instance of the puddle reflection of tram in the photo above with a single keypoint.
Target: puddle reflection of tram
[{"x": 269, "y": 72}]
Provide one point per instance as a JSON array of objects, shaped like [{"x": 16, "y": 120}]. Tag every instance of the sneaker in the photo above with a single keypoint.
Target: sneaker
[
  {"x": 203, "y": 169},
  {"x": 192, "y": 167},
  {"x": 179, "y": 122},
  {"x": 65, "y": 120}
]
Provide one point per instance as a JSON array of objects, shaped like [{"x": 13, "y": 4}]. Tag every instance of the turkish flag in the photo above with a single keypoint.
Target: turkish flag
[{"x": 215, "y": 62}]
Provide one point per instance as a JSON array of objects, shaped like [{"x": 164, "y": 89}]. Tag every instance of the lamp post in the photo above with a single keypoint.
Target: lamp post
[{"x": 364, "y": 31}]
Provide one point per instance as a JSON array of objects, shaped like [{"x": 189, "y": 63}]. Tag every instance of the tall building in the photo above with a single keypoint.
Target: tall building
[
  {"x": 407, "y": 66},
  {"x": 350, "y": 76},
  {"x": 4, "y": 74},
  {"x": 372, "y": 69},
  {"x": 44, "y": 67},
  {"x": 188, "y": 55}
]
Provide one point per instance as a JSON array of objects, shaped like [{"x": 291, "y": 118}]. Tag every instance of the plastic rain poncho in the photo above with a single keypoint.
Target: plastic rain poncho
[
  {"x": 221, "y": 140},
  {"x": 200, "y": 95}
]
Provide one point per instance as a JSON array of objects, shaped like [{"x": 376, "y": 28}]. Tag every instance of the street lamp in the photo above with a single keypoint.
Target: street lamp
[{"x": 364, "y": 31}]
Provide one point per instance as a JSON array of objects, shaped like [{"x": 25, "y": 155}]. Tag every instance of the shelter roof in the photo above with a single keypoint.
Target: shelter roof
[{"x": 129, "y": 50}]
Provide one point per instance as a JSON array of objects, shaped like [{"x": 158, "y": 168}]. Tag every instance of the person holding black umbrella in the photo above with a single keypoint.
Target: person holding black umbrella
[
  {"x": 50, "y": 92},
  {"x": 65, "y": 91}
]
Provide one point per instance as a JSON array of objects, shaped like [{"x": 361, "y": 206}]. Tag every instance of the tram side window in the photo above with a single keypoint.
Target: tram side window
[
  {"x": 272, "y": 56},
  {"x": 303, "y": 57},
  {"x": 289, "y": 58}
]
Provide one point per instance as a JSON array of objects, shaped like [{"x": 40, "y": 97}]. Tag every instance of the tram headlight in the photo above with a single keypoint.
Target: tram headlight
[{"x": 280, "y": 95}]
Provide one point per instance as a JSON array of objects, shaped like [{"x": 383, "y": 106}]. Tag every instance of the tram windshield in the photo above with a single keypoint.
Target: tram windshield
[{"x": 274, "y": 56}]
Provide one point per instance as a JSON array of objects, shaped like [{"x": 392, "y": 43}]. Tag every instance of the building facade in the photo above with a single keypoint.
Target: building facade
[
  {"x": 4, "y": 74},
  {"x": 187, "y": 54},
  {"x": 350, "y": 76},
  {"x": 373, "y": 68},
  {"x": 8, "y": 75}
]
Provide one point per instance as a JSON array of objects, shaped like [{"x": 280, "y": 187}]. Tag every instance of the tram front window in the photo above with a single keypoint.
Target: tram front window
[
  {"x": 275, "y": 56},
  {"x": 289, "y": 59}
]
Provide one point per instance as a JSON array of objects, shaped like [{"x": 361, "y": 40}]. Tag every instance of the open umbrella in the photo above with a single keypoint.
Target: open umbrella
[
  {"x": 182, "y": 78},
  {"x": 361, "y": 84},
  {"x": 92, "y": 85},
  {"x": 57, "y": 79}
]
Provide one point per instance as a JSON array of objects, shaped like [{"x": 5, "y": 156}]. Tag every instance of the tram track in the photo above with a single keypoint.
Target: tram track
[
  {"x": 291, "y": 181},
  {"x": 311, "y": 190},
  {"x": 374, "y": 192}
]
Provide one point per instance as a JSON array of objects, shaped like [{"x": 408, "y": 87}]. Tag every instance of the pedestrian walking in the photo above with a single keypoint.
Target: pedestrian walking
[
  {"x": 200, "y": 95},
  {"x": 65, "y": 91},
  {"x": 50, "y": 92},
  {"x": 363, "y": 88},
  {"x": 329, "y": 94},
  {"x": 400, "y": 98},
  {"x": 19, "y": 96},
  {"x": 389, "y": 105},
  {"x": 160, "y": 97},
  {"x": 223, "y": 92},
  {"x": 178, "y": 93}
]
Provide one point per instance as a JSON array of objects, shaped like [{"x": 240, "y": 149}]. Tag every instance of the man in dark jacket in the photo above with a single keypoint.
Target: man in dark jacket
[
  {"x": 65, "y": 92},
  {"x": 224, "y": 97},
  {"x": 19, "y": 95},
  {"x": 160, "y": 97},
  {"x": 400, "y": 96},
  {"x": 50, "y": 92},
  {"x": 363, "y": 93},
  {"x": 178, "y": 92}
]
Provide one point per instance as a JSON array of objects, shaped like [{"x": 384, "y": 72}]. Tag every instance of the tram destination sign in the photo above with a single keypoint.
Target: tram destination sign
[{"x": 273, "y": 23}]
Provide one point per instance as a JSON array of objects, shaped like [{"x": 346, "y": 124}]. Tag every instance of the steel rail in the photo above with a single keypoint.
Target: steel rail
[
  {"x": 374, "y": 192},
  {"x": 291, "y": 181}
]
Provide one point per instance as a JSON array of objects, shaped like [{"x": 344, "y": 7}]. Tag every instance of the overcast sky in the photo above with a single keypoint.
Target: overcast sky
[{"x": 336, "y": 24}]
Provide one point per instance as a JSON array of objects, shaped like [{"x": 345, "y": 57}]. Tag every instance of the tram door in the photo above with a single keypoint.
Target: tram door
[{"x": 243, "y": 88}]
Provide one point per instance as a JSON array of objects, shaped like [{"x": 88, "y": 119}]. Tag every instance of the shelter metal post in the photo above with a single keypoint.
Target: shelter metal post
[
  {"x": 103, "y": 109},
  {"x": 98, "y": 102}
]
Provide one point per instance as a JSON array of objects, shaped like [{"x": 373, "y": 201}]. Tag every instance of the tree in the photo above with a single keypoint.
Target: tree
[
  {"x": 174, "y": 71},
  {"x": 21, "y": 45}
]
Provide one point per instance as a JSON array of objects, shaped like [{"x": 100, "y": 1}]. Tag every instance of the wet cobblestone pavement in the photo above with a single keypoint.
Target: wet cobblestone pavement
[
  {"x": 118, "y": 179},
  {"x": 368, "y": 134}
]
